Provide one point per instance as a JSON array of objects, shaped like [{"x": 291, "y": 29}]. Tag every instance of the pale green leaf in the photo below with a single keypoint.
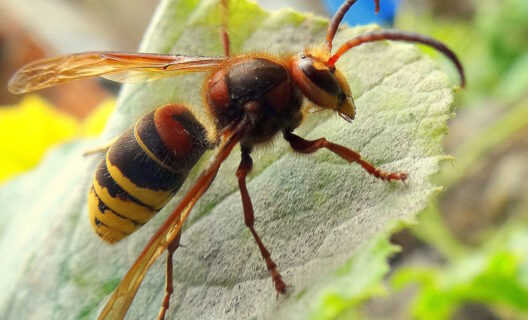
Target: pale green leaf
[{"x": 315, "y": 213}]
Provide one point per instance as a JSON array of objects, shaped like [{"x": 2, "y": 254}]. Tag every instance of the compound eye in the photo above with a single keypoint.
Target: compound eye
[{"x": 320, "y": 75}]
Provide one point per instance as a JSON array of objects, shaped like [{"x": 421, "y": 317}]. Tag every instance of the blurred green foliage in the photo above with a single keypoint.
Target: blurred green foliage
[
  {"x": 503, "y": 27},
  {"x": 495, "y": 275},
  {"x": 493, "y": 46}
]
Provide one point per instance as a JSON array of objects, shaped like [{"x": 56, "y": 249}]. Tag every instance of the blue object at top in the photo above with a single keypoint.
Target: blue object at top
[{"x": 362, "y": 12}]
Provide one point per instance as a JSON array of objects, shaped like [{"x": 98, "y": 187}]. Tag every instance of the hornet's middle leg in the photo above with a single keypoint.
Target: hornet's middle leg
[{"x": 246, "y": 164}]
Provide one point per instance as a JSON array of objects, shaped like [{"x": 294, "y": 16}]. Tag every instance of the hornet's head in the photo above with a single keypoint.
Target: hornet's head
[
  {"x": 322, "y": 84},
  {"x": 314, "y": 70}
]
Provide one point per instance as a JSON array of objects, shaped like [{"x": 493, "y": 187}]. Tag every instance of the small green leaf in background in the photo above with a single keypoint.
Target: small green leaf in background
[
  {"x": 496, "y": 275},
  {"x": 350, "y": 285},
  {"x": 325, "y": 222}
]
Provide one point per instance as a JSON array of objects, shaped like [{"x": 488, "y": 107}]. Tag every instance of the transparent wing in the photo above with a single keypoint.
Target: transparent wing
[
  {"x": 122, "y": 67},
  {"x": 122, "y": 297}
]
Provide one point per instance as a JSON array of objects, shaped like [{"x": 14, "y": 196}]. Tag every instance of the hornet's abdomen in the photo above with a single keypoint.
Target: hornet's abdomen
[{"x": 143, "y": 169}]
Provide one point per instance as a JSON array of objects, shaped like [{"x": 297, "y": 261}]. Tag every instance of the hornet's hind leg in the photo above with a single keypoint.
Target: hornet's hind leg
[
  {"x": 171, "y": 248},
  {"x": 101, "y": 149},
  {"x": 246, "y": 164}
]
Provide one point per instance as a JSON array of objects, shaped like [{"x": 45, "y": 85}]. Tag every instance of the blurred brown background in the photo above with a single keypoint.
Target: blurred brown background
[
  {"x": 34, "y": 29},
  {"x": 30, "y": 30}
]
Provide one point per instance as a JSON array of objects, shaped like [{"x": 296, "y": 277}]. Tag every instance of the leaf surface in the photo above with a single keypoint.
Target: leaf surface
[{"x": 316, "y": 214}]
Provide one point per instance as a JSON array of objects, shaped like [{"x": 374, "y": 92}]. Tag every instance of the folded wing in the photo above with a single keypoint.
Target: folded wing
[{"x": 121, "y": 67}]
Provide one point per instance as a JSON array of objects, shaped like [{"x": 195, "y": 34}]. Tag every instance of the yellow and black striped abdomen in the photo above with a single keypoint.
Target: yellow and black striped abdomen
[{"x": 143, "y": 169}]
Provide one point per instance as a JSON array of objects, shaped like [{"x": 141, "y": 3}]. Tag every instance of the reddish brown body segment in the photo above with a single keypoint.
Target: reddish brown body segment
[
  {"x": 175, "y": 137},
  {"x": 259, "y": 89}
]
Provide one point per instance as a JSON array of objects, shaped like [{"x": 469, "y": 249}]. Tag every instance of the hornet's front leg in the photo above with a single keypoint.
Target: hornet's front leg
[
  {"x": 309, "y": 146},
  {"x": 246, "y": 164}
]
